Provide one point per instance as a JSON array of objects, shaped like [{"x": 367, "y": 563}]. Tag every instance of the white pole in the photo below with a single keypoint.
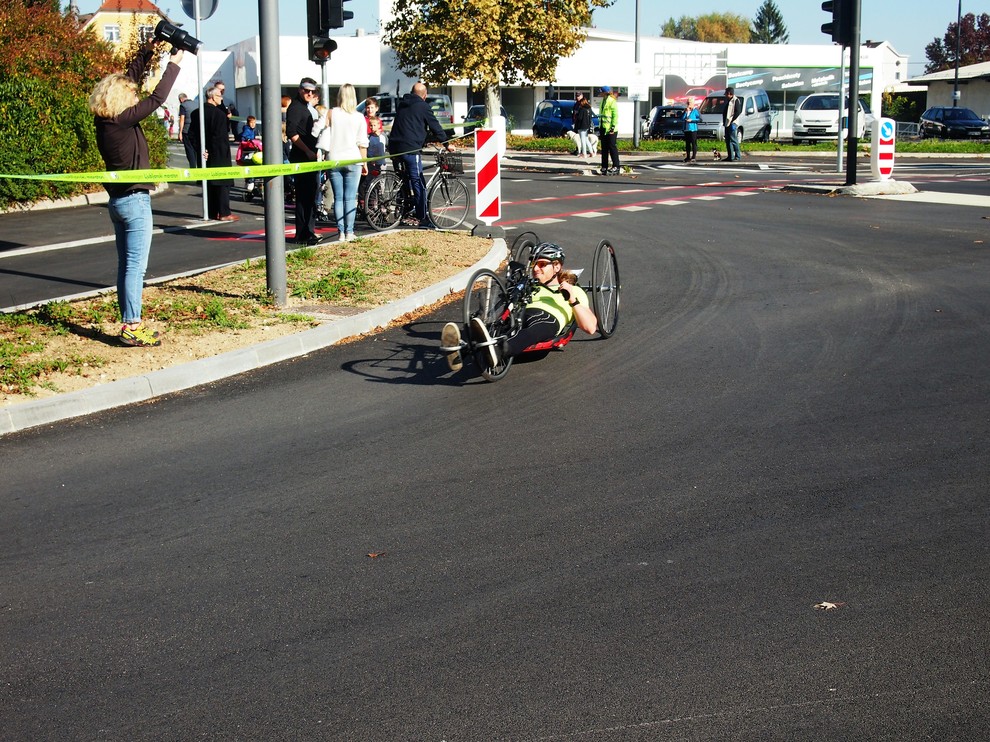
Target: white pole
[{"x": 202, "y": 111}]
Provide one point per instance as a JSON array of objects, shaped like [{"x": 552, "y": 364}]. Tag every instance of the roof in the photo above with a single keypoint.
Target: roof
[
  {"x": 129, "y": 6},
  {"x": 980, "y": 71}
]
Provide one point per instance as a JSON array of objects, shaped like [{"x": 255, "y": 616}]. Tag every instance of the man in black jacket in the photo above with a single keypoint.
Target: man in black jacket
[
  {"x": 299, "y": 131},
  {"x": 414, "y": 123}
]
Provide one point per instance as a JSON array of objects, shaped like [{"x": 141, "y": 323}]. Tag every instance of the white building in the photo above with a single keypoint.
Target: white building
[{"x": 668, "y": 68}]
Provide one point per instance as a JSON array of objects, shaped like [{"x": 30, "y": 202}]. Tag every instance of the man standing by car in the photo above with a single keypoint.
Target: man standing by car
[
  {"x": 608, "y": 123},
  {"x": 299, "y": 132},
  {"x": 733, "y": 110},
  {"x": 186, "y": 108},
  {"x": 414, "y": 123}
]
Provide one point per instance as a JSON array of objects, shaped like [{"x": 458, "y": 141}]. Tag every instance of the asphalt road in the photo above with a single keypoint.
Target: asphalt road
[{"x": 623, "y": 541}]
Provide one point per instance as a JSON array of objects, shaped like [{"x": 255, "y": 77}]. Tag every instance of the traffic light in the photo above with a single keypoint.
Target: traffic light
[
  {"x": 323, "y": 15},
  {"x": 321, "y": 48},
  {"x": 840, "y": 29},
  {"x": 337, "y": 15}
]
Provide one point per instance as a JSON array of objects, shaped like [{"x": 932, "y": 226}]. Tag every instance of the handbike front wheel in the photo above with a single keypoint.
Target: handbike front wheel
[
  {"x": 605, "y": 288},
  {"x": 522, "y": 245},
  {"x": 447, "y": 203},
  {"x": 383, "y": 202},
  {"x": 486, "y": 299}
]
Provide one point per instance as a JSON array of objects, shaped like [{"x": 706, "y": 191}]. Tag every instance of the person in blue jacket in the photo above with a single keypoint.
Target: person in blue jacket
[{"x": 691, "y": 120}]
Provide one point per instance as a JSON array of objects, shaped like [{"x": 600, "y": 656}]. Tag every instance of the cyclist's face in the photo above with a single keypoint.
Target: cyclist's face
[{"x": 544, "y": 270}]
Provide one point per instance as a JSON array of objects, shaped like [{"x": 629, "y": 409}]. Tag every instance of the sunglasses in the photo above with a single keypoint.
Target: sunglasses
[{"x": 542, "y": 263}]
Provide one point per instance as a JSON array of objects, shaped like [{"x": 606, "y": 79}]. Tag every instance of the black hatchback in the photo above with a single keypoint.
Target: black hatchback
[
  {"x": 668, "y": 122},
  {"x": 949, "y": 122}
]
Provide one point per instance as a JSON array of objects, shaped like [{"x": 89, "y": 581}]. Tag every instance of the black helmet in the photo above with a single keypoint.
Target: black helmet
[{"x": 547, "y": 251}]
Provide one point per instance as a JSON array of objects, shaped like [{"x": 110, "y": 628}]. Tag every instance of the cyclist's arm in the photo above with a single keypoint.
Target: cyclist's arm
[{"x": 583, "y": 314}]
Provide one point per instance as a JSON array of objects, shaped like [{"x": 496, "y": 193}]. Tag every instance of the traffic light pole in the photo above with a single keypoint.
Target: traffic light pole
[
  {"x": 853, "y": 141},
  {"x": 271, "y": 121}
]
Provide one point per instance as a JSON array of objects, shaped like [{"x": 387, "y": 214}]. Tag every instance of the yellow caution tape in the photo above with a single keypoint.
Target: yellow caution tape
[{"x": 193, "y": 174}]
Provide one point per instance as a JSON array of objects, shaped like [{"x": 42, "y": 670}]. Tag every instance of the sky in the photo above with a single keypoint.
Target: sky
[{"x": 909, "y": 25}]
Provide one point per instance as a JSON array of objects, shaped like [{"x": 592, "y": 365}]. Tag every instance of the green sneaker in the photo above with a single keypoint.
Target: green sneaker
[{"x": 139, "y": 337}]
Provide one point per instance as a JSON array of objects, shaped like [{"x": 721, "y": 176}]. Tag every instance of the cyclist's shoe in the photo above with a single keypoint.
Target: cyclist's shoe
[
  {"x": 479, "y": 333},
  {"x": 427, "y": 224},
  {"x": 139, "y": 337},
  {"x": 410, "y": 221},
  {"x": 450, "y": 343}
]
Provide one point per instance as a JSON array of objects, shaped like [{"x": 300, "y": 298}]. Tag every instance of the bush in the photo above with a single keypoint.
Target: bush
[{"x": 47, "y": 70}]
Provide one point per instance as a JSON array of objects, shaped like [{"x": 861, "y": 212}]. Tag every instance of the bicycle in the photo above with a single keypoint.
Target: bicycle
[
  {"x": 389, "y": 198},
  {"x": 500, "y": 303}
]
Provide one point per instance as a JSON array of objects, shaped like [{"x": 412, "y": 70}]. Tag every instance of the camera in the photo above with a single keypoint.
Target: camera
[{"x": 178, "y": 38}]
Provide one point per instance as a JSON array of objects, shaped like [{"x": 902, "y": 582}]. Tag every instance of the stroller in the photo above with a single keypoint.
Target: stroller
[{"x": 249, "y": 153}]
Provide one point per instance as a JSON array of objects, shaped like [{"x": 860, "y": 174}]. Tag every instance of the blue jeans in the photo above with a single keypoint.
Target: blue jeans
[
  {"x": 344, "y": 181},
  {"x": 414, "y": 167},
  {"x": 584, "y": 146},
  {"x": 131, "y": 217},
  {"x": 732, "y": 142}
]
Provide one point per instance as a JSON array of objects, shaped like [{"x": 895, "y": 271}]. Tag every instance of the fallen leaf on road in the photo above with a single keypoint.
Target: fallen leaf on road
[
  {"x": 826, "y": 606},
  {"x": 376, "y": 554}
]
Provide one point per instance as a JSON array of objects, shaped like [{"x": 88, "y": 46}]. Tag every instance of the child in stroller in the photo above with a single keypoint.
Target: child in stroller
[{"x": 249, "y": 152}]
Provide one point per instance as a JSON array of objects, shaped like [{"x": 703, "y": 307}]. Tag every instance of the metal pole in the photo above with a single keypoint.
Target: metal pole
[
  {"x": 842, "y": 98},
  {"x": 202, "y": 113},
  {"x": 955, "y": 83},
  {"x": 636, "y": 126},
  {"x": 271, "y": 115},
  {"x": 853, "y": 94}
]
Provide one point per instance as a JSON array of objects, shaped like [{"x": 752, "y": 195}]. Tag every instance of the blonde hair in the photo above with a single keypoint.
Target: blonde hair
[
  {"x": 112, "y": 95},
  {"x": 346, "y": 98}
]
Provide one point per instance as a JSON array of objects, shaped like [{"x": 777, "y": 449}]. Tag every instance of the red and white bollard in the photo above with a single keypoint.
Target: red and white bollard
[{"x": 487, "y": 175}]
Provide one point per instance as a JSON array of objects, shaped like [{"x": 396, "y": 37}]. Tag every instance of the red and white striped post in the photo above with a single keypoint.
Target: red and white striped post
[
  {"x": 882, "y": 148},
  {"x": 487, "y": 176}
]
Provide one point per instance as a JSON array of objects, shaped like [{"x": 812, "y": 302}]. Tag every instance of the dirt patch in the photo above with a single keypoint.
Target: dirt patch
[{"x": 74, "y": 346}]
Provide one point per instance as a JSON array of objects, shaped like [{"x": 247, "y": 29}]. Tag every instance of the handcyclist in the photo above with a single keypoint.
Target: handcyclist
[
  {"x": 556, "y": 305},
  {"x": 414, "y": 123}
]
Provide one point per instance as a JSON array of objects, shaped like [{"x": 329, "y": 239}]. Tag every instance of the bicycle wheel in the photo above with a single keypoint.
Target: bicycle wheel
[
  {"x": 521, "y": 246},
  {"x": 383, "y": 202},
  {"x": 447, "y": 202},
  {"x": 486, "y": 298},
  {"x": 605, "y": 288}
]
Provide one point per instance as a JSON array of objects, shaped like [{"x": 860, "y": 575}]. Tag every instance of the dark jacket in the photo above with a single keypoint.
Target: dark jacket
[
  {"x": 582, "y": 117},
  {"x": 217, "y": 143},
  {"x": 120, "y": 139},
  {"x": 414, "y": 121},
  {"x": 299, "y": 120}
]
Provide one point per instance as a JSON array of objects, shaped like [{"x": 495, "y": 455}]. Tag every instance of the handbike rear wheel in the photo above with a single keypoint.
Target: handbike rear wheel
[
  {"x": 486, "y": 299},
  {"x": 605, "y": 288},
  {"x": 383, "y": 202},
  {"x": 447, "y": 202}
]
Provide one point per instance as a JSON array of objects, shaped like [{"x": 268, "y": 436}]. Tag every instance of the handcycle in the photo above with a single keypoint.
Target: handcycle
[
  {"x": 499, "y": 301},
  {"x": 389, "y": 198}
]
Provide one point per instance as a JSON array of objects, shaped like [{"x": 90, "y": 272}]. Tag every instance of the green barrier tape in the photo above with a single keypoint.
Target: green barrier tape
[{"x": 180, "y": 175}]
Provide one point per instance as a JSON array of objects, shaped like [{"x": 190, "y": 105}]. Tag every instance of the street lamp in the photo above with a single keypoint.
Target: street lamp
[{"x": 955, "y": 84}]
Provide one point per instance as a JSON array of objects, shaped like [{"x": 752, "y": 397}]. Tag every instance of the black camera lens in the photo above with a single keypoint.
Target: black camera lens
[{"x": 178, "y": 38}]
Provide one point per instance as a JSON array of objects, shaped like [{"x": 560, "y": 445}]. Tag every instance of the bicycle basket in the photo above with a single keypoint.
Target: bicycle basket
[{"x": 451, "y": 162}]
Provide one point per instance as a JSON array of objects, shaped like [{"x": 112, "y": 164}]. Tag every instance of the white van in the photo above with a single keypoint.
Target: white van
[
  {"x": 754, "y": 123},
  {"x": 816, "y": 117}
]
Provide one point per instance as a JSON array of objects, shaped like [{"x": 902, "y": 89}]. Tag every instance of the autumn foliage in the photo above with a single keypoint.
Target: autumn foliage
[{"x": 48, "y": 67}]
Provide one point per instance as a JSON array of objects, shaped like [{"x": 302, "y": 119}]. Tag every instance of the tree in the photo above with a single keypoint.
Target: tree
[
  {"x": 725, "y": 28},
  {"x": 974, "y": 44},
  {"x": 487, "y": 41},
  {"x": 768, "y": 26}
]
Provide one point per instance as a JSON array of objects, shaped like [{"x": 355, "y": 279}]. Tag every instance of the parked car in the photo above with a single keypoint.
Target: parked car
[
  {"x": 816, "y": 118},
  {"x": 698, "y": 94},
  {"x": 476, "y": 116},
  {"x": 668, "y": 122},
  {"x": 754, "y": 123},
  {"x": 554, "y": 118},
  {"x": 950, "y": 122},
  {"x": 388, "y": 104}
]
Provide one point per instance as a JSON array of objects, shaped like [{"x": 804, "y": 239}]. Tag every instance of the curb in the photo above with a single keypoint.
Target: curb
[{"x": 187, "y": 375}]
